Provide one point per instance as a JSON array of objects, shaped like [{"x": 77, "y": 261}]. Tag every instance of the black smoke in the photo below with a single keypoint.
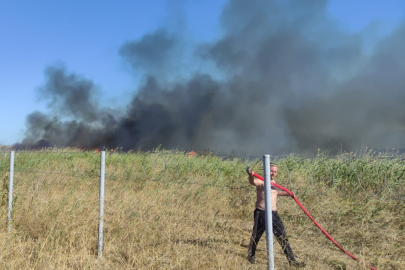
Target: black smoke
[{"x": 290, "y": 80}]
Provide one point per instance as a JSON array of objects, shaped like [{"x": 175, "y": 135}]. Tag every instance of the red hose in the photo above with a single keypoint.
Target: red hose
[{"x": 313, "y": 220}]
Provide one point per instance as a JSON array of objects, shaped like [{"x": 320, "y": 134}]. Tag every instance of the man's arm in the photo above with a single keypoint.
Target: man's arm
[
  {"x": 254, "y": 181},
  {"x": 283, "y": 193}
]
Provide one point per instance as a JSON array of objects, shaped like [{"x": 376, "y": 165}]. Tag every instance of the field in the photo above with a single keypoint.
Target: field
[{"x": 176, "y": 210}]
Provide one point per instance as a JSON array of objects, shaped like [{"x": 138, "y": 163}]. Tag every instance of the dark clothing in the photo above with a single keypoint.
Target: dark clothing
[{"x": 278, "y": 230}]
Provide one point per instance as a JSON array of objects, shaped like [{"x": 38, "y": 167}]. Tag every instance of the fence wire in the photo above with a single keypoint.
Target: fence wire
[{"x": 379, "y": 176}]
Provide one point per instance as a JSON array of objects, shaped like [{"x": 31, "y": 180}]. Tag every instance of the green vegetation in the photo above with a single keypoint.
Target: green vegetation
[{"x": 176, "y": 210}]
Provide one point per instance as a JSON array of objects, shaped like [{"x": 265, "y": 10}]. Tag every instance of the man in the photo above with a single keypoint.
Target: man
[{"x": 259, "y": 218}]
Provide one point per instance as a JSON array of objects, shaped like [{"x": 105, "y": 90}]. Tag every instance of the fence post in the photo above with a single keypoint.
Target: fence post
[
  {"x": 101, "y": 215},
  {"x": 269, "y": 217},
  {"x": 10, "y": 190}
]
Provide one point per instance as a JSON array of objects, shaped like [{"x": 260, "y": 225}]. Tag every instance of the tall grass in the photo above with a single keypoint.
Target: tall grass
[{"x": 172, "y": 210}]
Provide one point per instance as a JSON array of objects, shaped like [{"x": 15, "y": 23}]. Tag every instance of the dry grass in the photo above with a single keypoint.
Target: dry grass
[{"x": 194, "y": 224}]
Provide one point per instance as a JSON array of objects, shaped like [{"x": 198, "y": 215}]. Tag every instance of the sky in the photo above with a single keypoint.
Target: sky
[{"x": 85, "y": 37}]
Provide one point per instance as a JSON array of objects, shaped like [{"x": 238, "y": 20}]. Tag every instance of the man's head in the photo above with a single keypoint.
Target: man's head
[{"x": 273, "y": 171}]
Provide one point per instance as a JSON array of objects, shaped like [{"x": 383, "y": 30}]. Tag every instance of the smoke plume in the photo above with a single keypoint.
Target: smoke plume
[{"x": 288, "y": 79}]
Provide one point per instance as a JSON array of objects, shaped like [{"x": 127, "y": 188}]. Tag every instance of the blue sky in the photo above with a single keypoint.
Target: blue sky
[{"x": 86, "y": 35}]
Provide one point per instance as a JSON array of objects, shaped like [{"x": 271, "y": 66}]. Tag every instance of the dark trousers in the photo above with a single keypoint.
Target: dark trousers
[{"x": 278, "y": 230}]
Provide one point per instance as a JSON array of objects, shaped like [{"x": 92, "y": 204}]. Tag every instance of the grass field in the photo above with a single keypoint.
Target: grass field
[{"x": 175, "y": 210}]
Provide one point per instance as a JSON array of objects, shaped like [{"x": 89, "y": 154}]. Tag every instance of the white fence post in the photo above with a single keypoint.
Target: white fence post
[
  {"x": 269, "y": 217},
  {"x": 101, "y": 215},
  {"x": 10, "y": 190}
]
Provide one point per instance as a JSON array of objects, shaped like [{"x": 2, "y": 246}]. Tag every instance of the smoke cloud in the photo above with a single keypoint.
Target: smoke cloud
[{"x": 290, "y": 81}]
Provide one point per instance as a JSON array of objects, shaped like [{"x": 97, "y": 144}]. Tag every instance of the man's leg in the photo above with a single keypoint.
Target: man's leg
[
  {"x": 258, "y": 230},
  {"x": 279, "y": 233}
]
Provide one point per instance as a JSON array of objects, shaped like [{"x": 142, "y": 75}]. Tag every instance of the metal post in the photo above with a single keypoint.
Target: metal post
[
  {"x": 10, "y": 190},
  {"x": 101, "y": 215},
  {"x": 269, "y": 217}
]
